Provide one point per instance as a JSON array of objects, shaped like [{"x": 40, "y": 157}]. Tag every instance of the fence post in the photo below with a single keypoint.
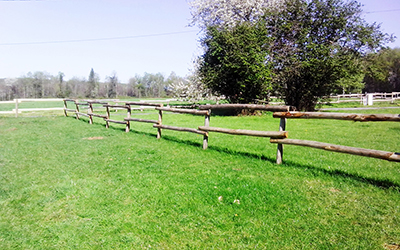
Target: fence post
[
  {"x": 77, "y": 109},
  {"x": 206, "y": 124},
  {"x": 279, "y": 152},
  {"x": 159, "y": 123},
  {"x": 90, "y": 113},
  {"x": 128, "y": 115},
  {"x": 108, "y": 117},
  {"x": 65, "y": 108},
  {"x": 16, "y": 108}
]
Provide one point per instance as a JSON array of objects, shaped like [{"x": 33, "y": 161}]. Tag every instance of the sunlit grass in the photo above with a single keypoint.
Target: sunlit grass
[{"x": 68, "y": 184}]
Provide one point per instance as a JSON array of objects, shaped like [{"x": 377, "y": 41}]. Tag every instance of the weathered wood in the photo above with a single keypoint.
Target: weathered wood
[
  {"x": 116, "y": 106},
  {"x": 69, "y": 100},
  {"x": 246, "y": 106},
  {"x": 144, "y": 104},
  {"x": 108, "y": 117},
  {"x": 279, "y": 151},
  {"x": 65, "y": 108},
  {"x": 191, "y": 130},
  {"x": 338, "y": 116},
  {"x": 206, "y": 124},
  {"x": 16, "y": 107},
  {"x": 184, "y": 111},
  {"x": 98, "y": 102},
  {"x": 77, "y": 111},
  {"x": 390, "y": 156},
  {"x": 141, "y": 120},
  {"x": 100, "y": 116},
  {"x": 159, "y": 123},
  {"x": 90, "y": 112},
  {"x": 128, "y": 115},
  {"x": 274, "y": 134},
  {"x": 82, "y": 103},
  {"x": 83, "y": 114},
  {"x": 115, "y": 121}
]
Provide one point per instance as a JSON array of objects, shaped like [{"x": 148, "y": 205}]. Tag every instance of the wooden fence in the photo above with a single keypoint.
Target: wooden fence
[
  {"x": 18, "y": 110},
  {"x": 279, "y": 137}
]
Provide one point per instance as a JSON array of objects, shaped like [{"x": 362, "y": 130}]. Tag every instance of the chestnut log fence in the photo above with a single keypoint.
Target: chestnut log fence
[{"x": 279, "y": 137}]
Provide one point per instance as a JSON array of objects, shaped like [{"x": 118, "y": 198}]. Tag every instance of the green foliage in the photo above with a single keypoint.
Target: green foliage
[
  {"x": 312, "y": 47},
  {"x": 383, "y": 71},
  {"x": 233, "y": 64},
  {"x": 93, "y": 85},
  {"x": 132, "y": 191},
  {"x": 315, "y": 44}
]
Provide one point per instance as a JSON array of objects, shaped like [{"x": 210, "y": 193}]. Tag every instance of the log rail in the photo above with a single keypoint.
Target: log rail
[
  {"x": 338, "y": 116},
  {"x": 389, "y": 156}
]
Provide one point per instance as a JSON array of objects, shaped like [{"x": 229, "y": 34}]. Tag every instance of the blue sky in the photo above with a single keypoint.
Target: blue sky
[{"x": 156, "y": 36}]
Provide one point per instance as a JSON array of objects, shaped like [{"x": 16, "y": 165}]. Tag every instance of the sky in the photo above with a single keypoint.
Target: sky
[{"x": 126, "y": 37}]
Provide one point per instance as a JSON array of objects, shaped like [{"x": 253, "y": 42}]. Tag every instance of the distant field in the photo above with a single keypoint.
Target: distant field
[{"x": 66, "y": 184}]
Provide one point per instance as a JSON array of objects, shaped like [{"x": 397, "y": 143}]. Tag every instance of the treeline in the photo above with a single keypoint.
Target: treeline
[{"x": 44, "y": 85}]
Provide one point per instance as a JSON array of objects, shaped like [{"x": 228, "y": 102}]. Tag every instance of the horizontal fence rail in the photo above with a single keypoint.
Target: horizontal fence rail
[
  {"x": 338, "y": 116},
  {"x": 279, "y": 137},
  {"x": 273, "y": 134},
  {"x": 390, "y": 156},
  {"x": 246, "y": 106}
]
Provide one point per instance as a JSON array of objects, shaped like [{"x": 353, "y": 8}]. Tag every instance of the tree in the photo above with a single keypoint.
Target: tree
[
  {"x": 227, "y": 14},
  {"x": 234, "y": 65},
  {"x": 383, "y": 71},
  {"x": 315, "y": 43},
  {"x": 60, "y": 91},
  {"x": 93, "y": 86},
  {"x": 112, "y": 85}
]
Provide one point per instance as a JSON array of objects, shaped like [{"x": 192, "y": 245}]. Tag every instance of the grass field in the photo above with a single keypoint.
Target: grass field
[{"x": 66, "y": 184}]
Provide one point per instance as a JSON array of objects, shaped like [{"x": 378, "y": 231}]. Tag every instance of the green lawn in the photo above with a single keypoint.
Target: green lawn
[{"x": 66, "y": 184}]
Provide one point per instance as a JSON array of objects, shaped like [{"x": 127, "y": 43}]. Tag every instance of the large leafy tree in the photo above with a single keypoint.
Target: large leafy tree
[
  {"x": 315, "y": 44},
  {"x": 310, "y": 45},
  {"x": 234, "y": 65},
  {"x": 93, "y": 85},
  {"x": 383, "y": 71}
]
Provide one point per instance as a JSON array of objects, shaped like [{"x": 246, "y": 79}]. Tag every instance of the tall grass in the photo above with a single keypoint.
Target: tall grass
[{"x": 67, "y": 184}]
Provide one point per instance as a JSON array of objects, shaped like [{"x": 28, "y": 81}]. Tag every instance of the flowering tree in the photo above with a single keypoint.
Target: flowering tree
[{"x": 228, "y": 13}]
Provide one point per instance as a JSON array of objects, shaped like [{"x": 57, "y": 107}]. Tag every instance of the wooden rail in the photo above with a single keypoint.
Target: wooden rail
[
  {"x": 184, "y": 111},
  {"x": 389, "y": 156},
  {"x": 246, "y": 106},
  {"x": 338, "y": 116},
  {"x": 273, "y": 134},
  {"x": 182, "y": 129},
  {"x": 144, "y": 104},
  {"x": 141, "y": 120}
]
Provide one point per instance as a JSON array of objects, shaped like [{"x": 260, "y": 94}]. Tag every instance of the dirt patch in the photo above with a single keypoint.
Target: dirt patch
[
  {"x": 11, "y": 129},
  {"x": 392, "y": 246},
  {"x": 93, "y": 138}
]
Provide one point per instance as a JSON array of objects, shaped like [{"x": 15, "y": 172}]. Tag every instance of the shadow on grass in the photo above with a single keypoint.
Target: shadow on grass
[{"x": 385, "y": 184}]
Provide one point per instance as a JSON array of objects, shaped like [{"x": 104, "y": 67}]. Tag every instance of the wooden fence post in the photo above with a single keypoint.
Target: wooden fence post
[
  {"x": 159, "y": 123},
  {"x": 77, "y": 109},
  {"x": 108, "y": 117},
  {"x": 65, "y": 108},
  {"x": 90, "y": 113},
  {"x": 128, "y": 115},
  {"x": 16, "y": 108},
  {"x": 279, "y": 152},
  {"x": 206, "y": 124}
]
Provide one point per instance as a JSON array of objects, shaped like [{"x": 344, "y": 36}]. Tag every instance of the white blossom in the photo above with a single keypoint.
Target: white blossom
[{"x": 228, "y": 13}]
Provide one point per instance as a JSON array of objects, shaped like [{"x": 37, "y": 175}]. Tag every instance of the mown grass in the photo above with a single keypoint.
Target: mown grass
[{"x": 68, "y": 184}]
